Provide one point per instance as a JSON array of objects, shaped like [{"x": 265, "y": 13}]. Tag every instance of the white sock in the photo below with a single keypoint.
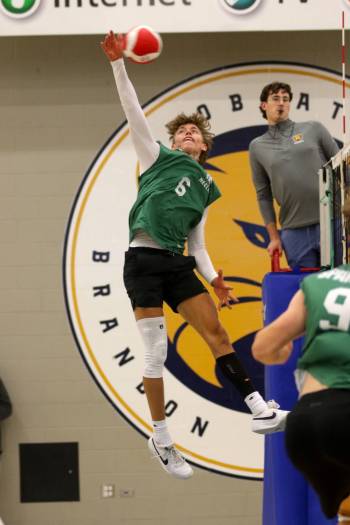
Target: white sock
[
  {"x": 255, "y": 403},
  {"x": 161, "y": 433}
]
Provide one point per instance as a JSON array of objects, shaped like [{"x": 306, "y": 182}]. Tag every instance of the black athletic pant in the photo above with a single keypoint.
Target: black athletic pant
[{"x": 318, "y": 444}]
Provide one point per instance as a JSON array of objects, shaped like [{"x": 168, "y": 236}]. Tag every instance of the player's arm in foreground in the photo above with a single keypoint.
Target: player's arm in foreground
[
  {"x": 273, "y": 344},
  {"x": 147, "y": 149}
]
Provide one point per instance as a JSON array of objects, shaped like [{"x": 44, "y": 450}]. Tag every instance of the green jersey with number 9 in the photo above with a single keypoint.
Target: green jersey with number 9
[
  {"x": 326, "y": 353},
  {"x": 172, "y": 196}
]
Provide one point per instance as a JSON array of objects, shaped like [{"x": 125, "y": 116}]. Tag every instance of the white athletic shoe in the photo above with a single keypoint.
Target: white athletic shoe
[
  {"x": 171, "y": 460},
  {"x": 270, "y": 420}
]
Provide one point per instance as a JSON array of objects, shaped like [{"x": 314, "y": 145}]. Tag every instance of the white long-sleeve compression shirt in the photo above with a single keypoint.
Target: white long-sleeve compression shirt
[{"x": 147, "y": 151}]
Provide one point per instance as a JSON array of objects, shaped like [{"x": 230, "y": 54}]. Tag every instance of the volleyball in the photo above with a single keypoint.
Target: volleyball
[{"x": 142, "y": 44}]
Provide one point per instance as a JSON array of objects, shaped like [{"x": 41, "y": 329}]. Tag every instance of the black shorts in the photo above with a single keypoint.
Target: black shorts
[
  {"x": 318, "y": 444},
  {"x": 152, "y": 276}
]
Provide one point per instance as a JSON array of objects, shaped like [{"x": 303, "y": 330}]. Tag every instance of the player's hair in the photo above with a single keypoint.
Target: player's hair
[
  {"x": 273, "y": 87},
  {"x": 202, "y": 124}
]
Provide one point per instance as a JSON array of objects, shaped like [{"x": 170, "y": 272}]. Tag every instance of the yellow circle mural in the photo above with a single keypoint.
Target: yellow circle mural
[{"x": 207, "y": 417}]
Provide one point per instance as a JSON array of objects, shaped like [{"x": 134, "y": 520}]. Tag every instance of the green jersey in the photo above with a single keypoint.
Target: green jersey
[
  {"x": 326, "y": 353},
  {"x": 172, "y": 196}
]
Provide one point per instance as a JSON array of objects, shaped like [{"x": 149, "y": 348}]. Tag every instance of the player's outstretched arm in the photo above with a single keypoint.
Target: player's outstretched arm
[
  {"x": 147, "y": 149},
  {"x": 273, "y": 344}
]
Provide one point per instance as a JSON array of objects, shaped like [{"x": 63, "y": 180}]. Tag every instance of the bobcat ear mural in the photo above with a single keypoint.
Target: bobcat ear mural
[{"x": 101, "y": 318}]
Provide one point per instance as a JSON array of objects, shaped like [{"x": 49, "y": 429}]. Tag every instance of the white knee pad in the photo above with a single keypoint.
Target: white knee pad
[{"x": 154, "y": 335}]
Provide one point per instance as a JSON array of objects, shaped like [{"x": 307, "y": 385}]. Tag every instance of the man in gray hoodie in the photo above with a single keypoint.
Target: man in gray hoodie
[{"x": 285, "y": 162}]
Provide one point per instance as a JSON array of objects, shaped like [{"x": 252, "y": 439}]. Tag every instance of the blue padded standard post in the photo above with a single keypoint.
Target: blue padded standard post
[{"x": 288, "y": 499}]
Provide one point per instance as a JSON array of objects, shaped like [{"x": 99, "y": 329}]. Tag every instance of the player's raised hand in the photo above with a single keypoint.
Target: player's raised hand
[
  {"x": 112, "y": 46},
  {"x": 223, "y": 291}
]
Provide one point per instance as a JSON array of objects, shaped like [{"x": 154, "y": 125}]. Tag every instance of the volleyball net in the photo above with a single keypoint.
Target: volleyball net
[{"x": 334, "y": 182}]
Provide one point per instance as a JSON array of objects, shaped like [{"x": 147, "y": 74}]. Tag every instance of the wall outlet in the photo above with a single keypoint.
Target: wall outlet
[
  {"x": 108, "y": 490},
  {"x": 127, "y": 493}
]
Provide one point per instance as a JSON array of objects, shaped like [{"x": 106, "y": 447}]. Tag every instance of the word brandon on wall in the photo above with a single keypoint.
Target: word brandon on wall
[{"x": 124, "y": 356}]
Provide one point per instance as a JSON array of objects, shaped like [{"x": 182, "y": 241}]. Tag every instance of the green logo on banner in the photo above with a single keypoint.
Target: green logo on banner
[
  {"x": 240, "y": 7},
  {"x": 19, "y": 8}
]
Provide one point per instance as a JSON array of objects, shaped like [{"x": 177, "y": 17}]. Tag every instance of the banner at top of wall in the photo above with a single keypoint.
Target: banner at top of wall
[{"x": 59, "y": 17}]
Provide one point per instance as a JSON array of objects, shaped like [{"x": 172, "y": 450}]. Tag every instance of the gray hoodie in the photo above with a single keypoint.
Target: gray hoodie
[{"x": 284, "y": 162}]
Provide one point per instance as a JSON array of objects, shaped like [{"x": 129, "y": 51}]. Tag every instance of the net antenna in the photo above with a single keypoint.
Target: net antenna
[
  {"x": 334, "y": 184},
  {"x": 343, "y": 67}
]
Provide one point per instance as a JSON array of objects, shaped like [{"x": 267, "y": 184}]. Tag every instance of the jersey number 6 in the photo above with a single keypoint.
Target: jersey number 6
[{"x": 181, "y": 187}]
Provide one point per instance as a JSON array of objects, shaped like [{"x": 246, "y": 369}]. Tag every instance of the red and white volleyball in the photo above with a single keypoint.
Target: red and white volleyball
[{"x": 142, "y": 44}]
